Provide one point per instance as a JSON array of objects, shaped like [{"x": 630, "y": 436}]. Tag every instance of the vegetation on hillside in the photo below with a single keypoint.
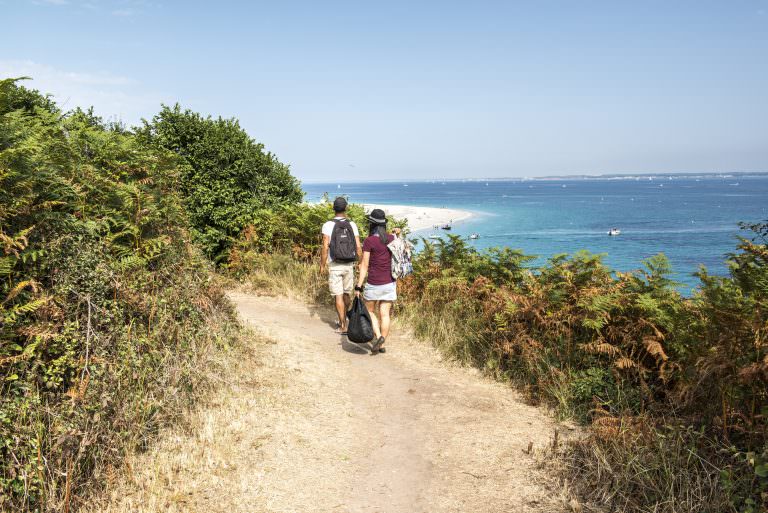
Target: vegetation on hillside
[{"x": 108, "y": 312}]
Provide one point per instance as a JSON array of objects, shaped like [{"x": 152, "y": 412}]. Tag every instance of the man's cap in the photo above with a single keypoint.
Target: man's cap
[
  {"x": 339, "y": 204},
  {"x": 377, "y": 216}
]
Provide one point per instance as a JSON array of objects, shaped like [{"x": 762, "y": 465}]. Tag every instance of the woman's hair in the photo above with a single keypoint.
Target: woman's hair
[{"x": 380, "y": 230}]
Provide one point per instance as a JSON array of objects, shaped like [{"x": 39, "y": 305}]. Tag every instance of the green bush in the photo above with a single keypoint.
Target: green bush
[
  {"x": 226, "y": 175},
  {"x": 107, "y": 312}
]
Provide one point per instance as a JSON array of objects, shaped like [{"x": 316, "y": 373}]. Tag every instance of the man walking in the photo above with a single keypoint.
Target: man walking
[{"x": 341, "y": 248}]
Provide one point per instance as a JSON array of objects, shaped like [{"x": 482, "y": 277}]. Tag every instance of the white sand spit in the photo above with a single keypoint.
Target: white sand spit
[{"x": 423, "y": 218}]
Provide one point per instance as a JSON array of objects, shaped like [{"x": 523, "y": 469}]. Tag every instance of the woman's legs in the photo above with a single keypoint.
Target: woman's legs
[
  {"x": 385, "y": 307},
  {"x": 373, "y": 308}
]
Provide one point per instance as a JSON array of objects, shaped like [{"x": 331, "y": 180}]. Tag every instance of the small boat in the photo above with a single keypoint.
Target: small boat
[
  {"x": 613, "y": 232},
  {"x": 445, "y": 227},
  {"x": 474, "y": 236}
]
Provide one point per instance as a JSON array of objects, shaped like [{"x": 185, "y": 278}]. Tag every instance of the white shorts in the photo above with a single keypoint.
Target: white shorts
[
  {"x": 341, "y": 278},
  {"x": 386, "y": 292}
]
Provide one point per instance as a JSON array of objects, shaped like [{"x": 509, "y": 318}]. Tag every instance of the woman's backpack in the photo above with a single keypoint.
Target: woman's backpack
[
  {"x": 401, "y": 250},
  {"x": 359, "y": 328}
]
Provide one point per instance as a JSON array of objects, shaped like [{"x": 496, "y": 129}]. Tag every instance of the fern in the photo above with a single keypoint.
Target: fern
[{"x": 16, "y": 290}]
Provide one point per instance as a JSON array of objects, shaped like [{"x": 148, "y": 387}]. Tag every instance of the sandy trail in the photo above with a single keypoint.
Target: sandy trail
[{"x": 317, "y": 424}]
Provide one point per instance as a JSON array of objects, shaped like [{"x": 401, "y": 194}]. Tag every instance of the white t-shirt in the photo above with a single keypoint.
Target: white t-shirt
[{"x": 328, "y": 230}]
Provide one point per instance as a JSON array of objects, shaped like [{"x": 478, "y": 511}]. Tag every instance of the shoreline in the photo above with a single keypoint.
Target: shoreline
[{"x": 422, "y": 218}]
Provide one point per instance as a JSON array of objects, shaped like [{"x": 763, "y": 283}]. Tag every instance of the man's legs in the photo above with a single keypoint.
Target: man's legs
[
  {"x": 348, "y": 282},
  {"x": 341, "y": 281},
  {"x": 341, "y": 310}
]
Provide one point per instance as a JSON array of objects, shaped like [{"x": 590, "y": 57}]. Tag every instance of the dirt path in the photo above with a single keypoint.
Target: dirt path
[{"x": 317, "y": 424}]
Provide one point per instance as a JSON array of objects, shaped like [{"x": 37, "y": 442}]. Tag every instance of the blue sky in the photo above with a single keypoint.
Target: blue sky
[{"x": 424, "y": 89}]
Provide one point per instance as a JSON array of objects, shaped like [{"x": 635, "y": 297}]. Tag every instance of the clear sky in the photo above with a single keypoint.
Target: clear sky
[{"x": 391, "y": 89}]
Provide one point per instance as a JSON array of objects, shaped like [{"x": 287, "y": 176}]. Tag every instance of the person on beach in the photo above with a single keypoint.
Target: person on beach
[
  {"x": 341, "y": 249},
  {"x": 381, "y": 290}
]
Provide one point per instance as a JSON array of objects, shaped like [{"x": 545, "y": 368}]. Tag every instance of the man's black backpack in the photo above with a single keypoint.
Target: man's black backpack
[{"x": 343, "y": 246}]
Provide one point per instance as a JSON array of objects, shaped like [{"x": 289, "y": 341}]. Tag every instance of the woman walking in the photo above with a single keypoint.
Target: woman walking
[{"x": 381, "y": 289}]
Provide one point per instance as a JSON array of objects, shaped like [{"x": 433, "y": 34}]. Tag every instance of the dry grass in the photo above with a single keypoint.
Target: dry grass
[
  {"x": 152, "y": 481},
  {"x": 652, "y": 472},
  {"x": 282, "y": 275}
]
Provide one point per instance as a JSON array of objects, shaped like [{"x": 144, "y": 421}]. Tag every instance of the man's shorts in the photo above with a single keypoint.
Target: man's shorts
[{"x": 341, "y": 278}]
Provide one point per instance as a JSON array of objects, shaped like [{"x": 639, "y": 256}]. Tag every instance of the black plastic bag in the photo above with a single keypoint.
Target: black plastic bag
[{"x": 359, "y": 328}]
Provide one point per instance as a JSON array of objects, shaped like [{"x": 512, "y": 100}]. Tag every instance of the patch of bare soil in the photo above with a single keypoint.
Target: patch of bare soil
[{"x": 314, "y": 423}]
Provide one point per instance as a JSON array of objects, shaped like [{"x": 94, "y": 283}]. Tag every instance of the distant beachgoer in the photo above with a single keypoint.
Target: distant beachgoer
[
  {"x": 381, "y": 290},
  {"x": 341, "y": 249}
]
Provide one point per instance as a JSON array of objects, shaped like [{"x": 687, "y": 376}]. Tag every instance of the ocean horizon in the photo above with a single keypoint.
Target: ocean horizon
[
  {"x": 602, "y": 176},
  {"x": 691, "y": 218}
]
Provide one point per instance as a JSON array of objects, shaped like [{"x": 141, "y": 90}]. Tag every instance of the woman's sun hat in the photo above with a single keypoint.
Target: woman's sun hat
[{"x": 377, "y": 216}]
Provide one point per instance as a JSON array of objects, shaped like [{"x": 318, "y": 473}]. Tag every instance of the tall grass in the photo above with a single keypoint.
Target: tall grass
[
  {"x": 281, "y": 275},
  {"x": 666, "y": 469}
]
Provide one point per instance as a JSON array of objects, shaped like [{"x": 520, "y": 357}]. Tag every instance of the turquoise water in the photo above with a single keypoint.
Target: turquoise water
[{"x": 692, "y": 220}]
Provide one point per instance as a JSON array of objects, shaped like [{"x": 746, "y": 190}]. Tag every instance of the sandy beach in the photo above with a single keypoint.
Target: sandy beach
[{"x": 423, "y": 218}]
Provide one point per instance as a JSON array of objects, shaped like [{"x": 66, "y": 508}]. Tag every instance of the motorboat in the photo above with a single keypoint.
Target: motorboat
[
  {"x": 446, "y": 227},
  {"x": 613, "y": 232},
  {"x": 474, "y": 236},
  {"x": 435, "y": 237}
]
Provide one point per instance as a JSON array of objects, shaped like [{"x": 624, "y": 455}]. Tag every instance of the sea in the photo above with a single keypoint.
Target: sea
[{"x": 693, "y": 220}]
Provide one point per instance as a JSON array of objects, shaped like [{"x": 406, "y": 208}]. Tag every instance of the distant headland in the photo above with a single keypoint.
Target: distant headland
[{"x": 611, "y": 176}]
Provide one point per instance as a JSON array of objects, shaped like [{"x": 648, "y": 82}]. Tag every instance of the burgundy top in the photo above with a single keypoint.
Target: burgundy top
[{"x": 380, "y": 263}]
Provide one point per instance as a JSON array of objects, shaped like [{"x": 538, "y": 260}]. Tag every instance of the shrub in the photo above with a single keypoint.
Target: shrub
[
  {"x": 107, "y": 312},
  {"x": 226, "y": 175}
]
